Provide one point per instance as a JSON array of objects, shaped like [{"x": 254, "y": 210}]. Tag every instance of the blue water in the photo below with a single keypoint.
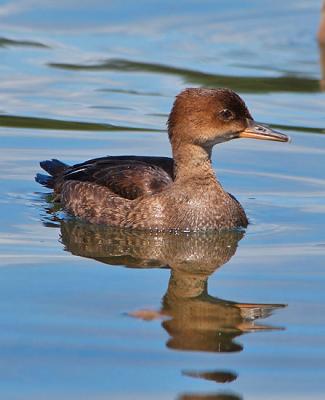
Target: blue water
[{"x": 73, "y": 325}]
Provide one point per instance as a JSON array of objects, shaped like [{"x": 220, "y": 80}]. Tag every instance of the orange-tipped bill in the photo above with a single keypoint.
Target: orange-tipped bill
[{"x": 258, "y": 131}]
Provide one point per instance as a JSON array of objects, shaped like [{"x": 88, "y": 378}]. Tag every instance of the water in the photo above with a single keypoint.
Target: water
[{"x": 237, "y": 316}]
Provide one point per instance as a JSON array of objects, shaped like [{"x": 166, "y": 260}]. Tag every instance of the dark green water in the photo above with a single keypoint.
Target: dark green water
[{"x": 215, "y": 317}]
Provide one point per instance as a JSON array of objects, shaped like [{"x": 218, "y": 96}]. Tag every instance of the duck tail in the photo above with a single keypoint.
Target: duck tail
[{"x": 54, "y": 168}]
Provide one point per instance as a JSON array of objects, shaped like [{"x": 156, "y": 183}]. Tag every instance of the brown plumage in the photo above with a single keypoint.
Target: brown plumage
[{"x": 159, "y": 193}]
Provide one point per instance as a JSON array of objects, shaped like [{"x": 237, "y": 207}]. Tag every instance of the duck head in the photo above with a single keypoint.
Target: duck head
[{"x": 206, "y": 117}]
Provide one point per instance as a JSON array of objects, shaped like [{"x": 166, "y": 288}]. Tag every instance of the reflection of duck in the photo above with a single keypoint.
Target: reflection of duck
[
  {"x": 160, "y": 193},
  {"x": 200, "y": 322},
  {"x": 194, "y": 319}
]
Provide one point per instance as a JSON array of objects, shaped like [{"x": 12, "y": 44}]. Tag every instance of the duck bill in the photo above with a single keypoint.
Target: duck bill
[{"x": 258, "y": 131}]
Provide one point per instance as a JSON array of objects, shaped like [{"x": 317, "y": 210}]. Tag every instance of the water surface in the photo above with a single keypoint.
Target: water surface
[{"x": 231, "y": 316}]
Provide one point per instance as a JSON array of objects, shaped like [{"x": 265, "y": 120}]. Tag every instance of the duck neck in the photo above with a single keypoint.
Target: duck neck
[{"x": 192, "y": 161}]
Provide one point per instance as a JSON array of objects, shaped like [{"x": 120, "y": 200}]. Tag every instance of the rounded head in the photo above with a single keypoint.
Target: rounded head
[{"x": 209, "y": 116}]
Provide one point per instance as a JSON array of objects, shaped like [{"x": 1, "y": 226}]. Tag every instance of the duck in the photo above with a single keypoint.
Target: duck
[{"x": 154, "y": 193}]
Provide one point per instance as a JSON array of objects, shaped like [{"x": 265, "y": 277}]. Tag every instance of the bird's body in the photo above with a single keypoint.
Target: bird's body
[{"x": 160, "y": 193}]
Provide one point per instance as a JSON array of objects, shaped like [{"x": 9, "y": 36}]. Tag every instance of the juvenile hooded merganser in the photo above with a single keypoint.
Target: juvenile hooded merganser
[{"x": 160, "y": 193}]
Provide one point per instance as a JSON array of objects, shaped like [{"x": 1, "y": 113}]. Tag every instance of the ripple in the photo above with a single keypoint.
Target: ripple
[
  {"x": 248, "y": 84},
  {"x": 16, "y": 121},
  {"x": 258, "y": 228},
  {"x": 299, "y": 128},
  {"x": 4, "y": 42},
  {"x": 111, "y": 108},
  {"x": 132, "y": 92}
]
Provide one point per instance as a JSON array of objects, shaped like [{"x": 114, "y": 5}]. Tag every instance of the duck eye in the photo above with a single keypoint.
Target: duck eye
[{"x": 226, "y": 114}]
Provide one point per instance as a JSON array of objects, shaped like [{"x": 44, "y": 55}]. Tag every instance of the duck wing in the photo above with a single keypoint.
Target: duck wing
[
  {"x": 166, "y": 163},
  {"x": 127, "y": 176}
]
